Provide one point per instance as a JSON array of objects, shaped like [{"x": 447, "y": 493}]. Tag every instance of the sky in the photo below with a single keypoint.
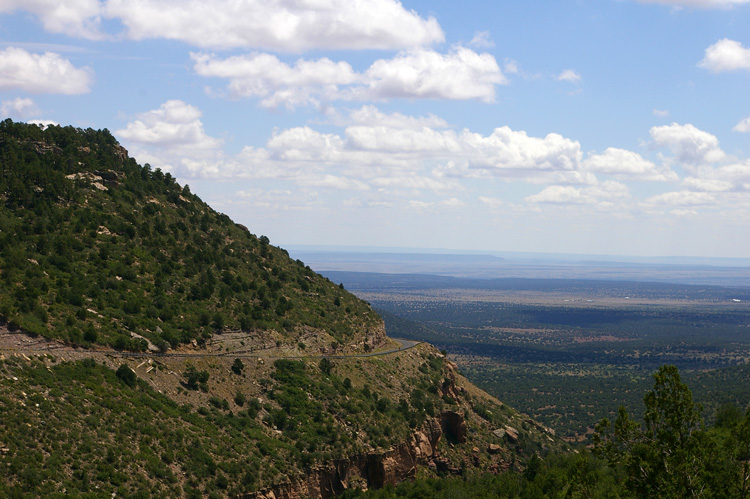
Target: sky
[{"x": 612, "y": 127}]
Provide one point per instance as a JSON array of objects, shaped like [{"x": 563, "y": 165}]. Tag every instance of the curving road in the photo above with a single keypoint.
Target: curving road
[{"x": 41, "y": 345}]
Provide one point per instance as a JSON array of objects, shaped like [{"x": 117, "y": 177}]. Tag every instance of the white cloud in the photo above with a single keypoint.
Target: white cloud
[
  {"x": 394, "y": 158},
  {"x": 731, "y": 177},
  {"x": 415, "y": 182},
  {"x": 693, "y": 147},
  {"x": 42, "y": 73},
  {"x": 305, "y": 144},
  {"x": 274, "y": 201},
  {"x": 738, "y": 173},
  {"x": 43, "y": 123},
  {"x": 623, "y": 163},
  {"x": 461, "y": 74},
  {"x": 559, "y": 195},
  {"x": 79, "y": 18},
  {"x": 174, "y": 124},
  {"x": 600, "y": 194},
  {"x": 172, "y": 138},
  {"x": 289, "y": 26},
  {"x": 743, "y": 126},
  {"x": 726, "y": 55},
  {"x": 370, "y": 115},
  {"x": 403, "y": 152},
  {"x": 510, "y": 66},
  {"x": 660, "y": 113},
  {"x": 388, "y": 139},
  {"x": 422, "y": 74},
  {"x": 18, "y": 108},
  {"x": 707, "y": 185},
  {"x": 569, "y": 75},
  {"x": 681, "y": 198},
  {"x": 265, "y": 76},
  {"x": 482, "y": 39},
  {"x": 337, "y": 182},
  {"x": 507, "y": 150}
]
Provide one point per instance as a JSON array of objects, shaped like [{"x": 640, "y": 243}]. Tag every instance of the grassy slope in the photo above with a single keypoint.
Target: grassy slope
[{"x": 95, "y": 433}]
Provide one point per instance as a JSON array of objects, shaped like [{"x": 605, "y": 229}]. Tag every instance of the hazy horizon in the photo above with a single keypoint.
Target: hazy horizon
[{"x": 522, "y": 255}]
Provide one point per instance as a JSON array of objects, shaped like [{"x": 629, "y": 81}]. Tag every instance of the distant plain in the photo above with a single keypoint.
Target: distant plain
[{"x": 565, "y": 340}]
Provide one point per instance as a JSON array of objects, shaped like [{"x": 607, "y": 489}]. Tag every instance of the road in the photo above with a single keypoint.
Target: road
[{"x": 20, "y": 343}]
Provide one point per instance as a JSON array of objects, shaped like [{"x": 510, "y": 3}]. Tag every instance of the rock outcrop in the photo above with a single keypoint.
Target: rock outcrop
[
  {"x": 374, "y": 470},
  {"x": 454, "y": 426}
]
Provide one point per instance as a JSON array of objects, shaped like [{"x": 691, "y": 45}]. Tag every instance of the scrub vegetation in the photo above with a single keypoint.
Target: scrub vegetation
[{"x": 94, "y": 247}]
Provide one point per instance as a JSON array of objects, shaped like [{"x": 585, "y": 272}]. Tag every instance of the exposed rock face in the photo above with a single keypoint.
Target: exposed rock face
[
  {"x": 372, "y": 470},
  {"x": 374, "y": 338},
  {"x": 454, "y": 426},
  {"x": 121, "y": 153},
  {"x": 449, "y": 388},
  {"x": 43, "y": 147}
]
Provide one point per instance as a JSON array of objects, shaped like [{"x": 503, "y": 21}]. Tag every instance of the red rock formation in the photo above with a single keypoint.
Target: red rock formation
[{"x": 372, "y": 470}]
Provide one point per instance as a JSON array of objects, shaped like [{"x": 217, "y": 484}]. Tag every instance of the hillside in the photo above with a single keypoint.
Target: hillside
[
  {"x": 150, "y": 346},
  {"x": 95, "y": 248}
]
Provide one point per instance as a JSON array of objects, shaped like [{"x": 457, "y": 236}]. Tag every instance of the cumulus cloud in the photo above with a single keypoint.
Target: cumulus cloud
[
  {"x": 682, "y": 199},
  {"x": 173, "y": 139},
  {"x": 623, "y": 163},
  {"x": 507, "y": 149},
  {"x": 338, "y": 182},
  {"x": 47, "y": 73},
  {"x": 422, "y": 74},
  {"x": 394, "y": 158},
  {"x": 600, "y": 194},
  {"x": 175, "y": 123},
  {"x": 460, "y": 74},
  {"x": 708, "y": 185},
  {"x": 736, "y": 172},
  {"x": 275, "y": 82},
  {"x": 390, "y": 139},
  {"x": 290, "y": 26},
  {"x": 691, "y": 146},
  {"x": 370, "y": 115},
  {"x": 569, "y": 75},
  {"x": 79, "y": 18},
  {"x": 726, "y": 55},
  {"x": 18, "y": 108},
  {"x": 305, "y": 144},
  {"x": 743, "y": 126},
  {"x": 418, "y": 182}
]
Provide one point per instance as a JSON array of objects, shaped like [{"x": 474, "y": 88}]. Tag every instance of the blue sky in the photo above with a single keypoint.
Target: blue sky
[{"x": 608, "y": 127}]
